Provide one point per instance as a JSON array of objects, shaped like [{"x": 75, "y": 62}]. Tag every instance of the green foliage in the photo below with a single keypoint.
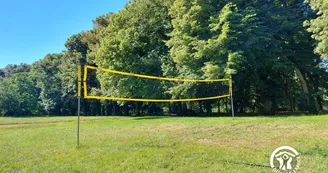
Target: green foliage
[
  {"x": 18, "y": 95},
  {"x": 10, "y": 70},
  {"x": 46, "y": 74},
  {"x": 75, "y": 43},
  {"x": 68, "y": 80},
  {"x": 318, "y": 26},
  {"x": 133, "y": 42}
]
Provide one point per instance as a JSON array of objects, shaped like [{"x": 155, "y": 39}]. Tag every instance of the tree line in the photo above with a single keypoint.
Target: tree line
[{"x": 275, "y": 50}]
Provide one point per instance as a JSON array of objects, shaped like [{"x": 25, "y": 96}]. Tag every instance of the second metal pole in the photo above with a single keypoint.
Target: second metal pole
[
  {"x": 78, "y": 103},
  {"x": 231, "y": 98},
  {"x": 78, "y": 120}
]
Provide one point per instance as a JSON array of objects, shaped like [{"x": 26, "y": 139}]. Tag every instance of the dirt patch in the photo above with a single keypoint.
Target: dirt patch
[{"x": 325, "y": 133}]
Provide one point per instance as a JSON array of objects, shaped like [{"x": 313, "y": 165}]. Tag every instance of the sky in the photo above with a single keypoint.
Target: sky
[{"x": 31, "y": 29}]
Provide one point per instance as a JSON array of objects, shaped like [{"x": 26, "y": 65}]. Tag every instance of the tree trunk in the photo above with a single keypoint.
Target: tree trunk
[
  {"x": 267, "y": 105},
  {"x": 200, "y": 107},
  {"x": 294, "y": 103},
  {"x": 114, "y": 108},
  {"x": 319, "y": 101},
  {"x": 109, "y": 108},
  {"x": 304, "y": 86},
  {"x": 288, "y": 95},
  {"x": 138, "y": 107},
  {"x": 98, "y": 107},
  {"x": 86, "y": 107},
  {"x": 208, "y": 107},
  {"x": 184, "y": 106},
  {"x": 310, "y": 101},
  {"x": 170, "y": 109},
  {"x": 179, "y": 108},
  {"x": 226, "y": 105},
  {"x": 126, "y": 111}
]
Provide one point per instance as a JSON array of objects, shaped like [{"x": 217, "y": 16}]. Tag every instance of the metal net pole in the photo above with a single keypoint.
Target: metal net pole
[
  {"x": 231, "y": 97},
  {"x": 78, "y": 103}
]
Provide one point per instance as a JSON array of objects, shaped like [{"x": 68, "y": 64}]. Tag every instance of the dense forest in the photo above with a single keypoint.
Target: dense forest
[{"x": 275, "y": 50}]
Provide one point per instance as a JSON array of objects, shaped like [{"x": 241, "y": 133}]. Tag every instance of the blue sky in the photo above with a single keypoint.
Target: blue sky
[{"x": 31, "y": 29}]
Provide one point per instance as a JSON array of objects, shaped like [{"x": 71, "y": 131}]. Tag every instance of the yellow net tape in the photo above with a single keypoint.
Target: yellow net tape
[
  {"x": 155, "y": 100},
  {"x": 230, "y": 87},
  {"x": 85, "y": 82},
  {"x": 79, "y": 81},
  {"x": 86, "y": 96},
  {"x": 154, "y": 77}
]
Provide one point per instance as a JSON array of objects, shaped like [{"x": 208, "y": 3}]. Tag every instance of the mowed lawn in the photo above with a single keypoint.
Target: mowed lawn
[{"x": 160, "y": 144}]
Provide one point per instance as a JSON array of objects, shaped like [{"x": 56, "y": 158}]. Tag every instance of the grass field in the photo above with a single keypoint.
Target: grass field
[{"x": 160, "y": 144}]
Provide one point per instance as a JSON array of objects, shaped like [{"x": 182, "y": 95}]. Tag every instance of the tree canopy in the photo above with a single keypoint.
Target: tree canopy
[
  {"x": 274, "y": 50},
  {"x": 318, "y": 26}
]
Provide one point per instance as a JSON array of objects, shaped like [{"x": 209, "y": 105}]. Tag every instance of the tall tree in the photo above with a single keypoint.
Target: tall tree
[
  {"x": 18, "y": 95},
  {"x": 47, "y": 76},
  {"x": 134, "y": 42}
]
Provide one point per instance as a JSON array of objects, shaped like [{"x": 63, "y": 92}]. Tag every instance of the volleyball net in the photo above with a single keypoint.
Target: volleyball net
[{"x": 87, "y": 68}]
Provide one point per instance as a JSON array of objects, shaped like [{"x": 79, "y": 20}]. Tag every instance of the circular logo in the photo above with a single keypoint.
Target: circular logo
[{"x": 285, "y": 159}]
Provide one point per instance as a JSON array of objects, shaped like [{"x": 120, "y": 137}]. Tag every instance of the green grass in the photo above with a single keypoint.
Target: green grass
[{"x": 160, "y": 144}]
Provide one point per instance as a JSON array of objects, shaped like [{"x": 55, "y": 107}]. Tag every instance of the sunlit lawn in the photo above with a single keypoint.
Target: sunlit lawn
[{"x": 160, "y": 144}]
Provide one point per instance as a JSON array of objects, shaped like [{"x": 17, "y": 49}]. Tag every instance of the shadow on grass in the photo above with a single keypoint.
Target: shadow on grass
[{"x": 151, "y": 117}]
